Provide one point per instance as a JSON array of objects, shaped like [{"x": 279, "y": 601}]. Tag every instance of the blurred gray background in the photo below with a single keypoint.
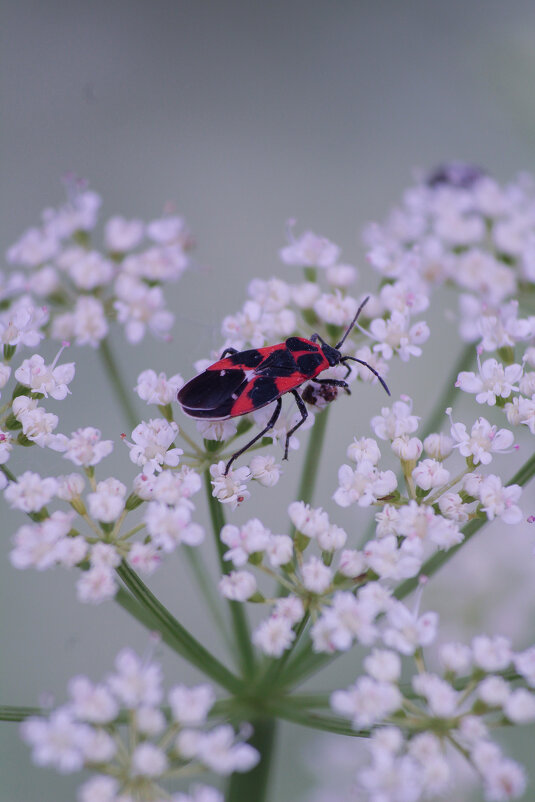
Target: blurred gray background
[{"x": 243, "y": 115}]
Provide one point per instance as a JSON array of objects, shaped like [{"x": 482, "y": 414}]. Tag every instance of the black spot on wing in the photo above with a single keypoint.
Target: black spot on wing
[
  {"x": 249, "y": 359},
  {"x": 263, "y": 391},
  {"x": 278, "y": 363},
  {"x": 307, "y": 364},
  {"x": 211, "y": 390},
  {"x": 299, "y": 344}
]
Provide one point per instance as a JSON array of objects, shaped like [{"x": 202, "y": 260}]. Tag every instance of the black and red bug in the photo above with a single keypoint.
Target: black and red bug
[{"x": 242, "y": 381}]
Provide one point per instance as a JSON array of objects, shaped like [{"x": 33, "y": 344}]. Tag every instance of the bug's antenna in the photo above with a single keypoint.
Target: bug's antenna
[
  {"x": 362, "y": 362},
  {"x": 359, "y": 310}
]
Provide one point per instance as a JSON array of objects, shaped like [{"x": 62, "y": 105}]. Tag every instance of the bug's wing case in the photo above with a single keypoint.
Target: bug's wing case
[{"x": 211, "y": 391}]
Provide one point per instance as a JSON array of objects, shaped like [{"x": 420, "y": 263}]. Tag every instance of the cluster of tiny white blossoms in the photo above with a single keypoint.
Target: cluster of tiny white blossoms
[
  {"x": 88, "y": 529},
  {"x": 325, "y": 303},
  {"x": 347, "y": 591},
  {"x": 410, "y": 757},
  {"x": 120, "y": 730},
  {"x": 61, "y": 282}
]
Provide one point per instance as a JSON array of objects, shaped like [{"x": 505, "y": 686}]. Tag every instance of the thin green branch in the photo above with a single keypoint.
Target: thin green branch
[
  {"x": 117, "y": 382},
  {"x": 240, "y": 626},
  {"x": 312, "y": 461},
  {"x": 18, "y": 714},
  {"x": 213, "y": 602},
  {"x": 253, "y": 785},
  {"x": 156, "y": 616}
]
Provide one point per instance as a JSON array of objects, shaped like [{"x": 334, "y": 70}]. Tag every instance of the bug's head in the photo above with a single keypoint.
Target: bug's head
[{"x": 334, "y": 356}]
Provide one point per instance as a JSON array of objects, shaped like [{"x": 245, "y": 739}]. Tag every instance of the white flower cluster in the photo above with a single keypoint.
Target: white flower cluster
[
  {"x": 348, "y": 591},
  {"x": 120, "y": 730},
  {"x": 57, "y": 264},
  {"x": 90, "y": 534},
  {"x": 412, "y": 766},
  {"x": 461, "y": 227}
]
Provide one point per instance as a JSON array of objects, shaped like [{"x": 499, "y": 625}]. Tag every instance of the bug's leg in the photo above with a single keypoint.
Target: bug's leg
[
  {"x": 271, "y": 423},
  {"x": 304, "y": 415},
  {"x": 334, "y": 383},
  {"x": 229, "y": 352}
]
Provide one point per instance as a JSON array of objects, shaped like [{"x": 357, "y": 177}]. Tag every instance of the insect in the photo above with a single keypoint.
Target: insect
[{"x": 242, "y": 381}]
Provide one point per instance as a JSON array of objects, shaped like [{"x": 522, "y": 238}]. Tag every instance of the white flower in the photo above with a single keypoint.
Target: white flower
[
  {"x": 265, "y": 470},
  {"x": 57, "y": 741},
  {"x": 274, "y": 636},
  {"x": 396, "y": 334},
  {"x": 352, "y": 563},
  {"x": 156, "y": 388},
  {"x": 251, "y": 538},
  {"x": 333, "y": 539},
  {"x": 363, "y": 485},
  {"x": 429, "y": 474},
  {"x": 238, "y": 585},
  {"x": 504, "y": 779},
  {"x": 136, "y": 682},
  {"x": 392, "y": 562},
  {"x": 383, "y": 665},
  {"x": 456, "y": 657},
  {"x": 337, "y": 309},
  {"x": 139, "y": 306},
  {"x": 148, "y": 760},
  {"x": 86, "y": 325},
  {"x": 407, "y": 631},
  {"x": 493, "y": 381},
  {"x": 525, "y": 665},
  {"x": 367, "y": 701},
  {"x": 122, "y": 235},
  {"x": 441, "y": 697},
  {"x": 482, "y": 440},
  {"x": 169, "y": 526},
  {"x": 280, "y": 549},
  {"x": 492, "y": 654},
  {"x": 99, "y": 789},
  {"x": 290, "y": 608},
  {"x": 218, "y": 751},
  {"x": 438, "y": 446},
  {"x": 230, "y": 488},
  {"x": 499, "y": 501},
  {"x": 408, "y": 449},
  {"x": 395, "y": 421},
  {"x": 317, "y": 577},
  {"x": 494, "y": 691},
  {"x": 37, "y": 425},
  {"x": 46, "y": 379},
  {"x": 36, "y": 246},
  {"x": 220, "y": 430},
  {"x": 144, "y": 557},
  {"x": 107, "y": 503},
  {"x": 310, "y": 250},
  {"x": 151, "y": 444},
  {"x": 308, "y": 520},
  {"x": 190, "y": 706},
  {"x": 520, "y": 706},
  {"x": 85, "y": 447},
  {"x": 97, "y": 585},
  {"x": 30, "y": 493},
  {"x": 21, "y": 324},
  {"x": 36, "y": 545},
  {"x": 91, "y": 270},
  {"x": 70, "y": 486},
  {"x": 93, "y": 703},
  {"x": 364, "y": 449}
]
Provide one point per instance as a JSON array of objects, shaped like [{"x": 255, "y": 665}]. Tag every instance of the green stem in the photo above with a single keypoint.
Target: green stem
[
  {"x": 117, "y": 382},
  {"x": 17, "y": 714},
  {"x": 240, "y": 625},
  {"x": 312, "y": 458},
  {"x": 445, "y": 398},
  {"x": 156, "y": 616},
  {"x": 213, "y": 602},
  {"x": 253, "y": 785}
]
